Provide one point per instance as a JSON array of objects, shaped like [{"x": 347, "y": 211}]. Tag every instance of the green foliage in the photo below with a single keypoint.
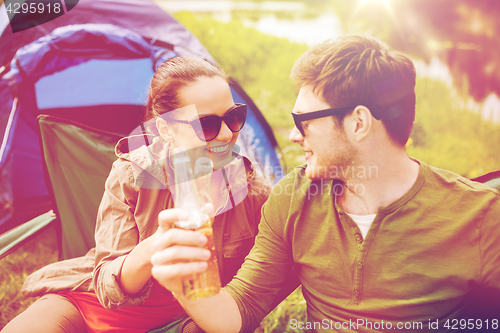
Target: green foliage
[
  {"x": 278, "y": 321},
  {"x": 461, "y": 33},
  {"x": 451, "y": 136}
]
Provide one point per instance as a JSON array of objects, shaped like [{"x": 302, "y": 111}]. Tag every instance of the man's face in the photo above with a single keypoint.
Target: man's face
[{"x": 327, "y": 147}]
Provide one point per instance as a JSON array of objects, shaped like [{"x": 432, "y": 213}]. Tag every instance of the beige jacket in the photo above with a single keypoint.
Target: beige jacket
[{"x": 135, "y": 192}]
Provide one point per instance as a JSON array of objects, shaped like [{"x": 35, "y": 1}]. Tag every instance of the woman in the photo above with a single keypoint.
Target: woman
[{"x": 190, "y": 104}]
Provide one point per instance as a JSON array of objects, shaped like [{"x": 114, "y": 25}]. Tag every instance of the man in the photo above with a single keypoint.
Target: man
[{"x": 380, "y": 240}]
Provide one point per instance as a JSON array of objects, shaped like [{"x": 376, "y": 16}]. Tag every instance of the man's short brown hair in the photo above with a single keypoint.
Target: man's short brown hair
[{"x": 361, "y": 70}]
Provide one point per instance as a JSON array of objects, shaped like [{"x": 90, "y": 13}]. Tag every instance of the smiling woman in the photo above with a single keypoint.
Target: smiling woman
[
  {"x": 189, "y": 105},
  {"x": 201, "y": 113}
]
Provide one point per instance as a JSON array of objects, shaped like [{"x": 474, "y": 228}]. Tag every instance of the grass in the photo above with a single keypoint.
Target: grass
[
  {"x": 42, "y": 250},
  {"x": 14, "y": 268},
  {"x": 293, "y": 307}
]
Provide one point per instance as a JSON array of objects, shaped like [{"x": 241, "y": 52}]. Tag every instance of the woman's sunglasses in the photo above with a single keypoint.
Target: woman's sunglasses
[{"x": 207, "y": 128}]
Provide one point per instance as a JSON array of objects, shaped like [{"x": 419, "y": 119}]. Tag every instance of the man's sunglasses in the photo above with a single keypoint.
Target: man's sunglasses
[
  {"x": 298, "y": 118},
  {"x": 207, "y": 128}
]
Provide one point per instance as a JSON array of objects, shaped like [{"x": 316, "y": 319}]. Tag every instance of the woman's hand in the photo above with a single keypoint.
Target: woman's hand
[{"x": 178, "y": 252}]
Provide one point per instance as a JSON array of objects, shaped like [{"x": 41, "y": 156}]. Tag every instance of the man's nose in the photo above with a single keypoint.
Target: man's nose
[{"x": 295, "y": 135}]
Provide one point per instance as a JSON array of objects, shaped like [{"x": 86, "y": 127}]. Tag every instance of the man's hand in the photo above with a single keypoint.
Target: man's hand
[{"x": 178, "y": 252}]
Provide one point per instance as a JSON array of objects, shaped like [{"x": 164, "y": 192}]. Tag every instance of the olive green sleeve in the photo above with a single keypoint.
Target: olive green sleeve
[
  {"x": 267, "y": 267},
  {"x": 489, "y": 245}
]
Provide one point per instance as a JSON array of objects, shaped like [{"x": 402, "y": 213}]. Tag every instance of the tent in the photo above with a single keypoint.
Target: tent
[{"x": 91, "y": 65}]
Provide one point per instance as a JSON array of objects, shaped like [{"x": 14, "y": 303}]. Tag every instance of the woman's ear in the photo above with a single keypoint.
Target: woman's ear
[{"x": 161, "y": 125}]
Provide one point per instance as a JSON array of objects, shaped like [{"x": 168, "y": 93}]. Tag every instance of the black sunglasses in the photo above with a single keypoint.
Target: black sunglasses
[
  {"x": 208, "y": 127},
  {"x": 298, "y": 118}
]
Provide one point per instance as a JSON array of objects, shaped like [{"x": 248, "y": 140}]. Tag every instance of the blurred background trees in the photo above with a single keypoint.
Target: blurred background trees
[
  {"x": 451, "y": 130},
  {"x": 462, "y": 33}
]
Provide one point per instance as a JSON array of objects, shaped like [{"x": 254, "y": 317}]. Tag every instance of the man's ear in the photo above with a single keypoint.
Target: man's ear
[
  {"x": 161, "y": 126},
  {"x": 360, "y": 122}
]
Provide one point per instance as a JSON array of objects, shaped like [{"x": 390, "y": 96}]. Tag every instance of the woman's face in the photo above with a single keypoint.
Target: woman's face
[{"x": 206, "y": 96}]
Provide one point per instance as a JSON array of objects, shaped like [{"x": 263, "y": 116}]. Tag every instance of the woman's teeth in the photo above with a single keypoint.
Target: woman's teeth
[{"x": 220, "y": 149}]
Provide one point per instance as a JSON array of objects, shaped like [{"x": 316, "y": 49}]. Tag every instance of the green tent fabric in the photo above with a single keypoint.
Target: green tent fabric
[{"x": 77, "y": 161}]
